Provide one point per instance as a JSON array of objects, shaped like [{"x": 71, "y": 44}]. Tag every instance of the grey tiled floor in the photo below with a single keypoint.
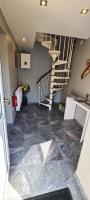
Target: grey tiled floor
[{"x": 44, "y": 152}]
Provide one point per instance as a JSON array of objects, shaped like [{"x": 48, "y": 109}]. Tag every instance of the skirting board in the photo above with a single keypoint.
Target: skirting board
[
  {"x": 80, "y": 186},
  {"x": 6, "y": 185}
]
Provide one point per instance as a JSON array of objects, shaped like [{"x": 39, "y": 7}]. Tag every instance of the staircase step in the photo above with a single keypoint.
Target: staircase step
[
  {"x": 54, "y": 54},
  {"x": 58, "y": 88},
  {"x": 44, "y": 103},
  {"x": 46, "y": 44},
  {"x": 54, "y": 83},
  {"x": 58, "y": 77},
  {"x": 47, "y": 98},
  {"x": 61, "y": 70},
  {"x": 59, "y": 62}
]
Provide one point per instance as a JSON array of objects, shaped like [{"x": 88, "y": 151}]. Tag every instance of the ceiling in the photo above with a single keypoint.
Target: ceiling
[{"x": 26, "y": 17}]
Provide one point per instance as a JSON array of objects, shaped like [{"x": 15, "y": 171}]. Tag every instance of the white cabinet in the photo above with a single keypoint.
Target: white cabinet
[
  {"x": 83, "y": 168},
  {"x": 25, "y": 60}
]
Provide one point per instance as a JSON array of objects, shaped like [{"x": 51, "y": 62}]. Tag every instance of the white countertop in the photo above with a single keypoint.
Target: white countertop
[{"x": 81, "y": 104}]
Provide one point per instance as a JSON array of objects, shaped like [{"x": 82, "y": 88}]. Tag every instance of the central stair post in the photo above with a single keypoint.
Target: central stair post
[{"x": 51, "y": 88}]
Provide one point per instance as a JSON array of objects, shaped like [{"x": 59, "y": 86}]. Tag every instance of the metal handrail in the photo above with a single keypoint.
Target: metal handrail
[{"x": 44, "y": 75}]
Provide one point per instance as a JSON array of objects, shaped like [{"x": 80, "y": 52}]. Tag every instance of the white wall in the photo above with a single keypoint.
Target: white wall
[
  {"x": 5, "y": 74},
  {"x": 13, "y": 78},
  {"x": 76, "y": 85},
  {"x": 40, "y": 64},
  {"x": 9, "y": 71},
  {"x": 83, "y": 169}
]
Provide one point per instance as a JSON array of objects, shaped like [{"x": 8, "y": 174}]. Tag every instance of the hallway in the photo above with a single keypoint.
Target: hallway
[{"x": 44, "y": 152}]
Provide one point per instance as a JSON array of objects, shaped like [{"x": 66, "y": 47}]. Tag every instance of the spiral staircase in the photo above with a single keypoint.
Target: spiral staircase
[{"x": 59, "y": 74}]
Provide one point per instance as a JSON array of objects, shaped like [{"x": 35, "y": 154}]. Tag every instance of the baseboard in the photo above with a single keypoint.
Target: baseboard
[
  {"x": 6, "y": 184},
  {"x": 80, "y": 186}
]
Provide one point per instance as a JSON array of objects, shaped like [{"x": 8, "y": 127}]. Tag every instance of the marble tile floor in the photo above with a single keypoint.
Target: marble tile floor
[{"x": 44, "y": 152}]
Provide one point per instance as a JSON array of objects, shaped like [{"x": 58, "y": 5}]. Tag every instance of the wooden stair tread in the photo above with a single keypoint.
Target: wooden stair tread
[
  {"x": 54, "y": 83},
  {"x": 61, "y": 70},
  {"x": 58, "y": 77},
  {"x": 47, "y": 98},
  {"x": 46, "y": 44},
  {"x": 44, "y": 103},
  {"x": 59, "y": 62}
]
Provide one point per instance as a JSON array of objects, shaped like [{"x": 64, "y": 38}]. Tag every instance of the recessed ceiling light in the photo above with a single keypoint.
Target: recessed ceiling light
[
  {"x": 24, "y": 39},
  {"x": 43, "y": 2},
  {"x": 84, "y": 11}
]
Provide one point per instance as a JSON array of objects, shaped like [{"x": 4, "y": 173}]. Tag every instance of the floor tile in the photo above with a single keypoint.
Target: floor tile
[{"x": 44, "y": 152}]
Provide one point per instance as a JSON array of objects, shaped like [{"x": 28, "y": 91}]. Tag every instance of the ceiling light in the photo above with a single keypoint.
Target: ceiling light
[
  {"x": 84, "y": 11},
  {"x": 24, "y": 39},
  {"x": 43, "y": 2}
]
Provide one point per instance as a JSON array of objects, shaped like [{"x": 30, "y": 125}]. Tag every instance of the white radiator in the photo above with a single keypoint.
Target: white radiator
[{"x": 18, "y": 94}]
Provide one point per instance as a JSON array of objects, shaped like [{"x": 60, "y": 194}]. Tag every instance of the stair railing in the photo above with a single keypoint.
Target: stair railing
[
  {"x": 44, "y": 86},
  {"x": 65, "y": 47}
]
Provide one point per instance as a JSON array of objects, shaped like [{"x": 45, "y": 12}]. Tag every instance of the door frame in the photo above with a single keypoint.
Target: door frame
[{"x": 4, "y": 139}]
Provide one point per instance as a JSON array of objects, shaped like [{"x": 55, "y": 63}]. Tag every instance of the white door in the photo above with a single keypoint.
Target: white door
[{"x": 4, "y": 151}]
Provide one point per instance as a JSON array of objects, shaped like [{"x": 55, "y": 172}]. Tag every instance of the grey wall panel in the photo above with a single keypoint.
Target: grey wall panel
[{"x": 40, "y": 63}]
